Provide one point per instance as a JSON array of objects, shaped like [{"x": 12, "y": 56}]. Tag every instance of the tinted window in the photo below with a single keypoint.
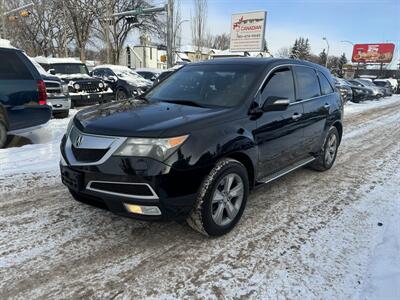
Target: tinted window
[
  {"x": 308, "y": 86},
  {"x": 12, "y": 67},
  {"x": 280, "y": 84},
  {"x": 70, "y": 68},
  {"x": 98, "y": 73},
  {"x": 224, "y": 85},
  {"x": 326, "y": 87}
]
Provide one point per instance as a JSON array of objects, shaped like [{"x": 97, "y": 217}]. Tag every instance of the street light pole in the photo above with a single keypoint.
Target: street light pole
[
  {"x": 327, "y": 52},
  {"x": 170, "y": 32}
]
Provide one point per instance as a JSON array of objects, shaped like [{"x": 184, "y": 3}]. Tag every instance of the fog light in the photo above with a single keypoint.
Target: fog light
[{"x": 143, "y": 210}]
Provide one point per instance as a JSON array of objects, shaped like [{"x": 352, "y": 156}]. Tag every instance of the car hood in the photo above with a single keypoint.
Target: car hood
[
  {"x": 76, "y": 77},
  {"x": 134, "y": 118}
]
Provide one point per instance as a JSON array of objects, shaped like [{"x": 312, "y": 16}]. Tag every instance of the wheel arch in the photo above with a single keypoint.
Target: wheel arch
[
  {"x": 339, "y": 128},
  {"x": 4, "y": 116},
  {"x": 248, "y": 164}
]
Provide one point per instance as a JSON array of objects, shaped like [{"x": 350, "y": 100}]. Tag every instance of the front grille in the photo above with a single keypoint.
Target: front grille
[
  {"x": 120, "y": 188},
  {"x": 89, "y": 87},
  {"x": 88, "y": 155},
  {"x": 52, "y": 87}
]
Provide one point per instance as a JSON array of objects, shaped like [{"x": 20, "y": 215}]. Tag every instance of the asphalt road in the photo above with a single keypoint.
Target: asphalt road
[{"x": 52, "y": 247}]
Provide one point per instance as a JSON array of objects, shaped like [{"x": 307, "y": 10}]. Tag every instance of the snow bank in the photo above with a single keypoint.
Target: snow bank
[{"x": 354, "y": 108}]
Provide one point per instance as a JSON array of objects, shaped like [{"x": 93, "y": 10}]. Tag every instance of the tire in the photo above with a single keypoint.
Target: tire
[
  {"x": 61, "y": 115},
  {"x": 3, "y": 133},
  {"x": 328, "y": 153},
  {"x": 121, "y": 95},
  {"x": 219, "y": 207}
]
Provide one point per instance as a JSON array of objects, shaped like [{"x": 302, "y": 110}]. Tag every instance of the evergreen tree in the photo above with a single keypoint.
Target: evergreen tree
[
  {"x": 322, "y": 58},
  {"x": 301, "y": 49}
]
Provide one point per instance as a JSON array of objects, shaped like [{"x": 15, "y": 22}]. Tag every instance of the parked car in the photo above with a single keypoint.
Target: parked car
[
  {"x": 83, "y": 89},
  {"x": 197, "y": 143},
  {"x": 344, "y": 88},
  {"x": 165, "y": 74},
  {"x": 385, "y": 85},
  {"x": 377, "y": 92},
  {"x": 148, "y": 73},
  {"x": 361, "y": 92},
  {"x": 123, "y": 81},
  {"x": 23, "y": 98},
  {"x": 57, "y": 92},
  {"x": 394, "y": 82}
]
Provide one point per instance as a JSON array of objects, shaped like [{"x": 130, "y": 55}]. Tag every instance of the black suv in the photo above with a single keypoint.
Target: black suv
[
  {"x": 23, "y": 98},
  {"x": 197, "y": 143},
  {"x": 83, "y": 89}
]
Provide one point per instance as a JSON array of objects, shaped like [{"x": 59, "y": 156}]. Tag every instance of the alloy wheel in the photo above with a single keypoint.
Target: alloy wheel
[
  {"x": 331, "y": 148},
  {"x": 227, "y": 199}
]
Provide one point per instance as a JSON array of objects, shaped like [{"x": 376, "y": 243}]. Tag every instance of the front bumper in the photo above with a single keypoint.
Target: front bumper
[
  {"x": 167, "y": 192},
  {"x": 80, "y": 99}
]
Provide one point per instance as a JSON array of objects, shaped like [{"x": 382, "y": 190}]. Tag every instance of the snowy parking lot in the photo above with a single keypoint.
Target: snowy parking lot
[{"x": 308, "y": 235}]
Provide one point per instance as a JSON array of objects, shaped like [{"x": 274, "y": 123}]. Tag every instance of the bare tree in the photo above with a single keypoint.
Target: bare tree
[
  {"x": 283, "y": 52},
  {"x": 82, "y": 14},
  {"x": 199, "y": 23},
  {"x": 221, "y": 41},
  {"x": 119, "y": 28}
]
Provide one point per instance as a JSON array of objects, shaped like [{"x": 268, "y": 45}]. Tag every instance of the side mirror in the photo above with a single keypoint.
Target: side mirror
[
  {"x": 112, "y": 79},
  {"x": 275, "y": 104},
  {"x": 52, "y": 71},
  {"x": 153, "y": 78}
]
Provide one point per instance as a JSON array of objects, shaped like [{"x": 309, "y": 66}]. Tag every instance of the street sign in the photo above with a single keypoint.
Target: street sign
[{"x": 248, "y": 31}]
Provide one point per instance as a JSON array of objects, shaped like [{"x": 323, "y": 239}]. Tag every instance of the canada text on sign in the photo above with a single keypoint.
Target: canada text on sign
[{"x": 248, "y": 31}]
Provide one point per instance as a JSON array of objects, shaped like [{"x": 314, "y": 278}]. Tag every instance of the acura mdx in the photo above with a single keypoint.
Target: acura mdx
[{"x": 195, "y": 145}]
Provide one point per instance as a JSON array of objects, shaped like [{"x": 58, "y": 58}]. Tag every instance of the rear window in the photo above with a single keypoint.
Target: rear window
[
  {"x": 308, "y": 86},
  {"x": 12, "y": 67}
]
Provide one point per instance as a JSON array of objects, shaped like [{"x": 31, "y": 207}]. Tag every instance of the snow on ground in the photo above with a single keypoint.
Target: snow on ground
[{"x": 322, "y": 242}]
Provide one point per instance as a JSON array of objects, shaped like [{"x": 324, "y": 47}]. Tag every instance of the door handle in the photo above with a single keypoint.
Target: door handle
[
  {"x": 296, "y": 116},
  {"x": 327, "y": 106}
]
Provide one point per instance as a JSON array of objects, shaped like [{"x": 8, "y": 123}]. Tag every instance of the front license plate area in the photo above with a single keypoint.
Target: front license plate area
[{"x": 72, "y": 179}]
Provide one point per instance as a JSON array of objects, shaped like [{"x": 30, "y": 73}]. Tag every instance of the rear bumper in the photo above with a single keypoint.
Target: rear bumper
[
  {"x": 80, "y": 99},
  {"x": 59, "y": 104}
]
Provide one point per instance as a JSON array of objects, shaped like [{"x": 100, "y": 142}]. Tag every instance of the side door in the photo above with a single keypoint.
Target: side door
[
  {"x": 316, "y": 106},
  {"x": 279, "y": 134}
]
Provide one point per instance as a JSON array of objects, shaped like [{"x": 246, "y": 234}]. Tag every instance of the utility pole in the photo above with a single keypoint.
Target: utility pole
[
  {"x": 327, "y": 52},
  {"x": 170, "y": 32}
]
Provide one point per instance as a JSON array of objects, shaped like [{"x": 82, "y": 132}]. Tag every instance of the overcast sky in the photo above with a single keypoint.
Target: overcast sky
[{"x": 365, "y": 21}]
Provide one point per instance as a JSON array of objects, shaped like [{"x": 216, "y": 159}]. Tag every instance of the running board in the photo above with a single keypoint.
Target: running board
[{"x": 287, "y": 170}]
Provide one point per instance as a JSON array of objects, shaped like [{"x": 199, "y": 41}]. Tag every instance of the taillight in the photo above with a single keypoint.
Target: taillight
[{"x": 42, "y": 92}]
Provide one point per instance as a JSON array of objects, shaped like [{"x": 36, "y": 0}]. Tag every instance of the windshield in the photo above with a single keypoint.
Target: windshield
[
  {"x": 126, "y": 72},
  {"x": 70, "y": 69},
  {"x": 366, "y": 82},
  {"x": 208, "y": 85},
  {"x": 380, "y": 83}
]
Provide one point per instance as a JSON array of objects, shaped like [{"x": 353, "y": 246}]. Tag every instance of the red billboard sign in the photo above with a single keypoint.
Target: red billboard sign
[{"x": 373, "y": 53}]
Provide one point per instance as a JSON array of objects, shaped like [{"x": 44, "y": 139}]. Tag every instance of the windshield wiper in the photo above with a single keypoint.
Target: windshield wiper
[{"x": 184, "y": 102}]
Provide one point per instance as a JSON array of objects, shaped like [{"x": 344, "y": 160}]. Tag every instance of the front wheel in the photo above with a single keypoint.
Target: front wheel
[
  {"x": 221, "y": 199},
  {"x": 121, "y": 95},
  {"x": 327, "y": 155}
]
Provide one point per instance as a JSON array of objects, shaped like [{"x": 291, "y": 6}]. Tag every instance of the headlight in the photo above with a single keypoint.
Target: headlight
[
  {"x": 101, "y": 85},
  {"x": 64, "y": 88},
  {"x": 159, "y": 149},
  {"x": 77, "y": 86}
]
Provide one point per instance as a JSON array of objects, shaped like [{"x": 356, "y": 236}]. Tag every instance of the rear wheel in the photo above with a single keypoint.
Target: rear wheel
[
  {"x": 327, "y": 155},
  {"x": 3, "y": 132},
  {"x": 61, "y": 115},
  {"x": 221, "y": 199}
]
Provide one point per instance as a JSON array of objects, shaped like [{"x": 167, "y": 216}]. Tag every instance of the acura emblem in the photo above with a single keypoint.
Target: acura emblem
[{"x": 78, "y": 141}]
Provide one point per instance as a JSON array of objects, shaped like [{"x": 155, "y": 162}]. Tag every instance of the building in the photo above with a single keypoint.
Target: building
[{"x": 141, "y": 56}]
